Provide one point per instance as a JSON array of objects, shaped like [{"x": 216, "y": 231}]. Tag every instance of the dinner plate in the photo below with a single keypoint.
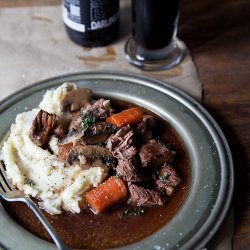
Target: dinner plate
[{"x": 212, "y": 179}]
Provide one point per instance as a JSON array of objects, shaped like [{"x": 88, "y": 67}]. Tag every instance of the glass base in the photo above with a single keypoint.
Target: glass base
[{"x": 150, "y": 60}]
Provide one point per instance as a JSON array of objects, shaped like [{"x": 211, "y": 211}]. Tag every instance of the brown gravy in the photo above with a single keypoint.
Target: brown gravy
[{"x": 111, "y": 229}]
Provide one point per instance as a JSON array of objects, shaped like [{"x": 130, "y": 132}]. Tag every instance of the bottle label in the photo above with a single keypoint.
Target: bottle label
[{"x": 88, "y": 15}]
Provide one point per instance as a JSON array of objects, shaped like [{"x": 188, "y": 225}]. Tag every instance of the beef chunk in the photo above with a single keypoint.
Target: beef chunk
[
  {"x": 145, "y": 128},
  {"x": 169, "y": 190},
  {"x": 91, "y": 114},
  {"x": 154, "y": 154},
  {"x": 140, "y": 196},
  {"x": 167, "y": 180},
  {"x": 76, "y": 121},
  {"x": 42, "y": 127},
  {"x": 98, "y": 110},
  {"x": 81, "y": 120},
  {"x": 128, "y": 172},
  {"x": 121, "y": 144}
]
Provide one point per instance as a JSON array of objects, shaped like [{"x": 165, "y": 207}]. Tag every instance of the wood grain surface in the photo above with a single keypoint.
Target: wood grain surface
[{"x": 218, "y": 34}]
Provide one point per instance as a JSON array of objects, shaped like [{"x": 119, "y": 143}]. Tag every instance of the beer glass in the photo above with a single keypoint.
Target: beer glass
[{"x": 154, "y": 44}]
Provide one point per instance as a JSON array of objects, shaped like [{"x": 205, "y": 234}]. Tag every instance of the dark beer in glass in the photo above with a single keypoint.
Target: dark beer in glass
[{"x": 154, "y": 44}]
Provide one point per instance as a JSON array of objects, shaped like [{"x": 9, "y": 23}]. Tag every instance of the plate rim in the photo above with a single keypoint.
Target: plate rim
[{"x": 178, "y": 94}]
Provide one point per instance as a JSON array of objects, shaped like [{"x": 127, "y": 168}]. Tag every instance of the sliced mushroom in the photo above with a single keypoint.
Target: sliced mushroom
[
  {"x": 72, "y": 137},
  {"x": 87, "y": 155},
  {"x": 94, "y": 134},
  {"x": 76, "y": 99},
  {"x": 99, "y": 133},
  {"x": 60, "y": 131},
  {"x": 76, "y": 121}
]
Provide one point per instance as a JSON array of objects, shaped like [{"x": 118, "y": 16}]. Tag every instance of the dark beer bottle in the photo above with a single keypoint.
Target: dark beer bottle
[{"x": 91, "y": 23}]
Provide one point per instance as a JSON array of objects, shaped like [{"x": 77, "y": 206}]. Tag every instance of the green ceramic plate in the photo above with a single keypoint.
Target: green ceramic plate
[{"x": 212, "y": 182}]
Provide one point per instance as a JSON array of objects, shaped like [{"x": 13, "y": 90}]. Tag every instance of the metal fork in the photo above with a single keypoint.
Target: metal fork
[{"x": 12, "y": 195}]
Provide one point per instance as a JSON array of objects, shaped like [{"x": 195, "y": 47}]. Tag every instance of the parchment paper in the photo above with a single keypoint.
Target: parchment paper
[{"x": 34, "y": 46}]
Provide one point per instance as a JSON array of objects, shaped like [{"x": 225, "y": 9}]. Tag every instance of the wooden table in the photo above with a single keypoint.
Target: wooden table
[{"x": 218, "y": 34}]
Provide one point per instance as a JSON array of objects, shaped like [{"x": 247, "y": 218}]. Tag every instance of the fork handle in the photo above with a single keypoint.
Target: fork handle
[{"x": 60, "y": 245}]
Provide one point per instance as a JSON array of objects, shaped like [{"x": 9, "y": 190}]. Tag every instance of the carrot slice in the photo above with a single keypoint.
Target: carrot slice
[
  {"x": 128, "y": 116},
  {"x": 110, "y": 192},
  {"x": 64, "y": 150}
]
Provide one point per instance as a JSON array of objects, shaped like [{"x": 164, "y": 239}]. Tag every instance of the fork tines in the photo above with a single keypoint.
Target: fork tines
[{"x": 4, "y": 184}]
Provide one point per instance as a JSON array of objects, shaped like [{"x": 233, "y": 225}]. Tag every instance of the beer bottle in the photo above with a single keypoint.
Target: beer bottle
[{"x": 91, "y": 23}]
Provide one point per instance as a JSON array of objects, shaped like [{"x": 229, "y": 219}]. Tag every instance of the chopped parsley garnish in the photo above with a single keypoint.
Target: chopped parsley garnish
[
  {"x": 116, "y": 175},
  {"x": 134, "y": 212},
  {"x": 88, "y": 121},
  {"x": 30, "y": 182},
  {"x": 163, "y": 178}
]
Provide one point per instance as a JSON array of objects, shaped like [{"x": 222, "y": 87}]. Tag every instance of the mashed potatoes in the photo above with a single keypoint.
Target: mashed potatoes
[
  {"x": 40, "y": 173},
  {"x": 52, "y": 98}
]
